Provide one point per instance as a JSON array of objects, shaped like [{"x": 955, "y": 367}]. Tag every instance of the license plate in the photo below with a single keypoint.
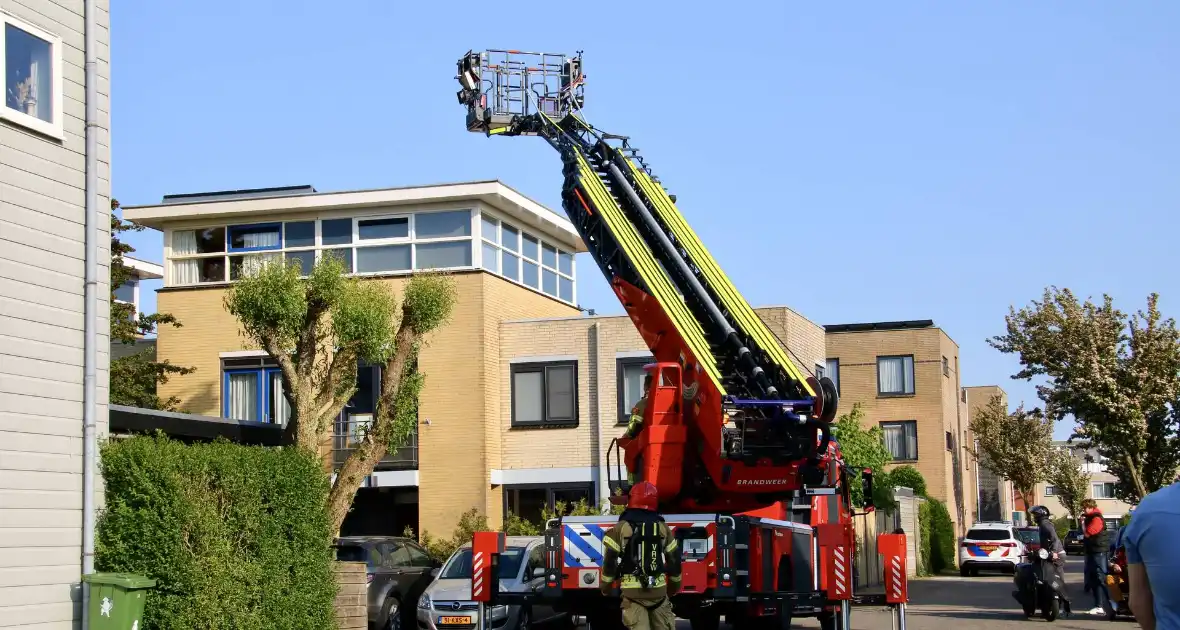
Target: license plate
[
  {"x": 988, "y": 548},
  {"x": 450, "y": 621}
]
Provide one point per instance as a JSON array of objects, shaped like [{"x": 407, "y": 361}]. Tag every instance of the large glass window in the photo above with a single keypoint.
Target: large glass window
[
  {"x": 901, "y": 439},
  {"x": 530, "y": 501},
  {"x": 252, "y": 390},
  {"x": 31, "y": 77},
  {"x": 508, "y": 251},
  {"x": 895, "y": 376},
  {"x": 545, "y": 393},
  {"x": 368, "y": 244}
]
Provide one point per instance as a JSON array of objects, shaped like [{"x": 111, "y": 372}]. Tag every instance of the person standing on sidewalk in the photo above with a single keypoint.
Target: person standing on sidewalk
[
  {"x": 1153, "y": 566},
  {"x": 1096, "y": 543}
]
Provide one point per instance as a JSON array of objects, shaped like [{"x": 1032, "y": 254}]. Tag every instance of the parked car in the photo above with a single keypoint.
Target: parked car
[
  {"x": 447, "y": 604},
  {"x": 1073, "y": 543},
  {"x": 1031, "y": 537},
  {"x": 990, "y": 546},
  {"x": 398, "y": 571}
]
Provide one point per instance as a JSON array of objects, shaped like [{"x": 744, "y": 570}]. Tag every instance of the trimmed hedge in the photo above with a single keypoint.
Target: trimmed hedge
[
  {"x": 938, "y": 537},
  {"x": 235, "y": 536}
]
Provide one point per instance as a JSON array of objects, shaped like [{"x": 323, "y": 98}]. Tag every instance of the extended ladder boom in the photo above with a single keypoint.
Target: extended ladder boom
[{"x": 684, "y": 306}]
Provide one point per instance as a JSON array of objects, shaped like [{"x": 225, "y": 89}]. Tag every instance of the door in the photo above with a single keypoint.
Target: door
[
  {"x": 423, "y": 565},
  {"x": 536, "y": 560},
  {"x": 408, "y": 579}
]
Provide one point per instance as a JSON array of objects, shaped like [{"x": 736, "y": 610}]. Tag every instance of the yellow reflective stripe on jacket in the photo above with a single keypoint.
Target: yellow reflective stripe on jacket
[
  {"x": 674, "y": 578},
  {"x": 631, "y": 581},
  {"x": 612, "y": 543},
  {"x": 671, "y": 548}
]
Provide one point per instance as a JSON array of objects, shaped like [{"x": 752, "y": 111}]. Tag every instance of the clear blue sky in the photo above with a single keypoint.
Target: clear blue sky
[{"x": 891, "y": 161}]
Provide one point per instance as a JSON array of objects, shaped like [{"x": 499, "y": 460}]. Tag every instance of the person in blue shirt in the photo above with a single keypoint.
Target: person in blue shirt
[{"x": 1153, "y": 566}]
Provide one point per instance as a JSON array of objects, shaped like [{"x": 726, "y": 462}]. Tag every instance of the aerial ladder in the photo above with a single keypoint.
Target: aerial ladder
[{"x": 737, "y": 438}]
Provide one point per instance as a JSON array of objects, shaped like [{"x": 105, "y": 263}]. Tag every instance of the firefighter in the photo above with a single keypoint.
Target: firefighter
[
  {"x": 635, "y": 426},
  {"x": 643, "y": 555}
]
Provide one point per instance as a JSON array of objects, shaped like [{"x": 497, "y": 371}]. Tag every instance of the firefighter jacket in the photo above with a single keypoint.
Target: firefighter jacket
[
  {"x": 614, "y": 546},
  {"x": 635, "y": 424}
]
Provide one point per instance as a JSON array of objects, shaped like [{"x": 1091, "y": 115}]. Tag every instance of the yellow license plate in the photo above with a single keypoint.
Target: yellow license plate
[
  {"x": 450, "y": 621},
  {"x": 988, "y": 548}
]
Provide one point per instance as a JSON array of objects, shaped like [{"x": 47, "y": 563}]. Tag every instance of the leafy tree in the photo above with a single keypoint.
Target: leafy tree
[
  {"x": 908, "y": 477},
  {"x": 317, "y": 329},
  {"x": 134, "y": 378},
  {"x": 1065, "y": 473},
  {"x": 864, "y": 448},
  {"x": 1016, "y": 445},
  {"x": 1117, "y": 375}
]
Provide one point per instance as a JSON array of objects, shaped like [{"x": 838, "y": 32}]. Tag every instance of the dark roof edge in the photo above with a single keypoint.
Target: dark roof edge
[{"x": 868, "y": 326}]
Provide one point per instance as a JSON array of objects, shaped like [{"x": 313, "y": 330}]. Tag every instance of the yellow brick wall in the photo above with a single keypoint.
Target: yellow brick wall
[
  {"x": 933, "y": 404},
  {"x": 453, "y": 467},
  {"x": 978, "y": 397},
  {"x": 597, "y": 342},
  {"x": 502, "y": 301}
]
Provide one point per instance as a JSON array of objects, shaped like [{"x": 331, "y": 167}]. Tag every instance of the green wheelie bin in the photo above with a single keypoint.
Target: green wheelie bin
[{"x": 116, "y": 600}]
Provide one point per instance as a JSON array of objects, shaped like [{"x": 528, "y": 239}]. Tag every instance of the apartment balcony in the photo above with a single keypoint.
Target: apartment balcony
[{"x": 348, "y": 434}]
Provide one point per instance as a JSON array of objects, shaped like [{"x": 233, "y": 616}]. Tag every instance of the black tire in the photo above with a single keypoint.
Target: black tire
[
  {"x": 391, "y": 615},
  {"x": 705, "y": 621},
  {"x": 964, "y": 572},
  {"x": 523, "y": 619},
  {"x": 827, "y": 621},
  {"x": 1030, "y": 608},
  {"x": 1050, "y": 609}
]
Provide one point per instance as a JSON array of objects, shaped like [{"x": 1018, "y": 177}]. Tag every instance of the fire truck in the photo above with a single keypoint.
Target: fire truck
[{"x": 737, "y": 438}]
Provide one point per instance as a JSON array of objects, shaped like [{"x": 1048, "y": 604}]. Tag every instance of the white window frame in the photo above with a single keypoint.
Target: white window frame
[
  {"x": 1095, "y": 484},
  {"x": 521, "y": 258},
  {"x": 54, "y": 129},
  {"x": 315, "y": 246},
  {"x": 411, "y": 240}
]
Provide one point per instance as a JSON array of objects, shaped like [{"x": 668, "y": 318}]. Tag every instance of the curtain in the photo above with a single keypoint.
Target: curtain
[
  {"x": 901, "y": 440},
  {"x": 184, "y": 243},
  {"x": 243, "y": 396},
  {"x": 894, "y": 375},
  {"x": 260, "y": 239},
  {"x": 253, "y": 263},
  {"x": 280, "y": 409}
]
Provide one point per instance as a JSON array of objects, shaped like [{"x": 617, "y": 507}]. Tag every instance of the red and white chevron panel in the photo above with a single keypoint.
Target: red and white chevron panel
[
  {"x": 841, "y": 574},
  {"x": 478, "y": 581}
]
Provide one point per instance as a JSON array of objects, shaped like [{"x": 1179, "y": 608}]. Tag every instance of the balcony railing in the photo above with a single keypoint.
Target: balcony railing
[{"x": 348, "y": 434}]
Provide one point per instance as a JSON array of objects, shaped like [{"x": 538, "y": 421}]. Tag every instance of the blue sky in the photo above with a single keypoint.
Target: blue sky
[{"x": 893, "y": 161}]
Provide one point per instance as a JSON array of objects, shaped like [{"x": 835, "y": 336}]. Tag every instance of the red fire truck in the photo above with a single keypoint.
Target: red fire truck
[{"x": 736, "y": 438}]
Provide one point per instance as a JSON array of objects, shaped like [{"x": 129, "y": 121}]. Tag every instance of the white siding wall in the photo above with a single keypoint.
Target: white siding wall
[{"x": 42, "y": 218}]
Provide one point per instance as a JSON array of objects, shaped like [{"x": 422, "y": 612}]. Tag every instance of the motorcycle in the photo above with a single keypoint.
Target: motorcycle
[
  {"x": 1037, "y": 586},
  {"x": 1116, "y": 583}
]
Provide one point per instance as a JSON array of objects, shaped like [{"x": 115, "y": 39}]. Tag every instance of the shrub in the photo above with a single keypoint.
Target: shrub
[
  {"x": 235, "y": 536},
  {"x": 908, "y": 477},
  {"x": 1063, "y": 524},
  {"x": 441, "y": 548},
  {"x": 938, "y": 542}
]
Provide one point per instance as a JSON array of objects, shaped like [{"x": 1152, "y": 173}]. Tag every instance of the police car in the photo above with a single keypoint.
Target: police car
[{"x": 990, "y": 547}]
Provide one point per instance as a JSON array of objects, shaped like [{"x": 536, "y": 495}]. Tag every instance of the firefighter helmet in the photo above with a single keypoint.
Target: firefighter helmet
[{"x": 644, "y": 496}]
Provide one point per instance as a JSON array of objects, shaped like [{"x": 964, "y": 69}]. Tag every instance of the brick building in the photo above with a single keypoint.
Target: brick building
[
  {"x": 511, "y": 258},
  {"x": 996, "y": 498},
  {"x": 1101, "y": 487},
  {"x": 906, "y": 377},
  {"x": 523, "y": 393}
]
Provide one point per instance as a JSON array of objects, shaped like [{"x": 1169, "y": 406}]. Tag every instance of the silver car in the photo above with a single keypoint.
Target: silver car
[{"x": 447, "y": 604}]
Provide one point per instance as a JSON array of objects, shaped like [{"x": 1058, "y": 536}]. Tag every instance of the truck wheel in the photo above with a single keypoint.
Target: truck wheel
[
  {"x": 827, "y": 621},
  {"x": 705, "y": 621}
]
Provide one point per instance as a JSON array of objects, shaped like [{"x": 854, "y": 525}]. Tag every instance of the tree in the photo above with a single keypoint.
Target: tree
[
  {"x": 864, "y": 449},
  {"x": 317, "y": 328},
  {"x": 1014, "y": 445},
  {"x": 1118, "y": 376},
  {"x": 908, "y": 477},
  {"x": 134, "y": 379},
  {"x": 1069, "y": 478}
]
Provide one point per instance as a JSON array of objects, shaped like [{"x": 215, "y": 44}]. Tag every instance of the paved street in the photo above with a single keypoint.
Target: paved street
[{"x": 982, "y": 603}]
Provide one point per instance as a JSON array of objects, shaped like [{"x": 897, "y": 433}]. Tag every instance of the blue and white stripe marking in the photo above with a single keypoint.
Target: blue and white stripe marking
[{"x": 583, "y": 543}]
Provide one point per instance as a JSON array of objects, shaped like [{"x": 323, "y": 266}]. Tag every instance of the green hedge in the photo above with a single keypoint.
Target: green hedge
[
  {"x": 236, "y": 536},
  {"x": 938, "y": 542}
]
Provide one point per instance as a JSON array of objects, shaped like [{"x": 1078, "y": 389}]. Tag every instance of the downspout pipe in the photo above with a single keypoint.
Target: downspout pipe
[{"x": 91, "y": 302}]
